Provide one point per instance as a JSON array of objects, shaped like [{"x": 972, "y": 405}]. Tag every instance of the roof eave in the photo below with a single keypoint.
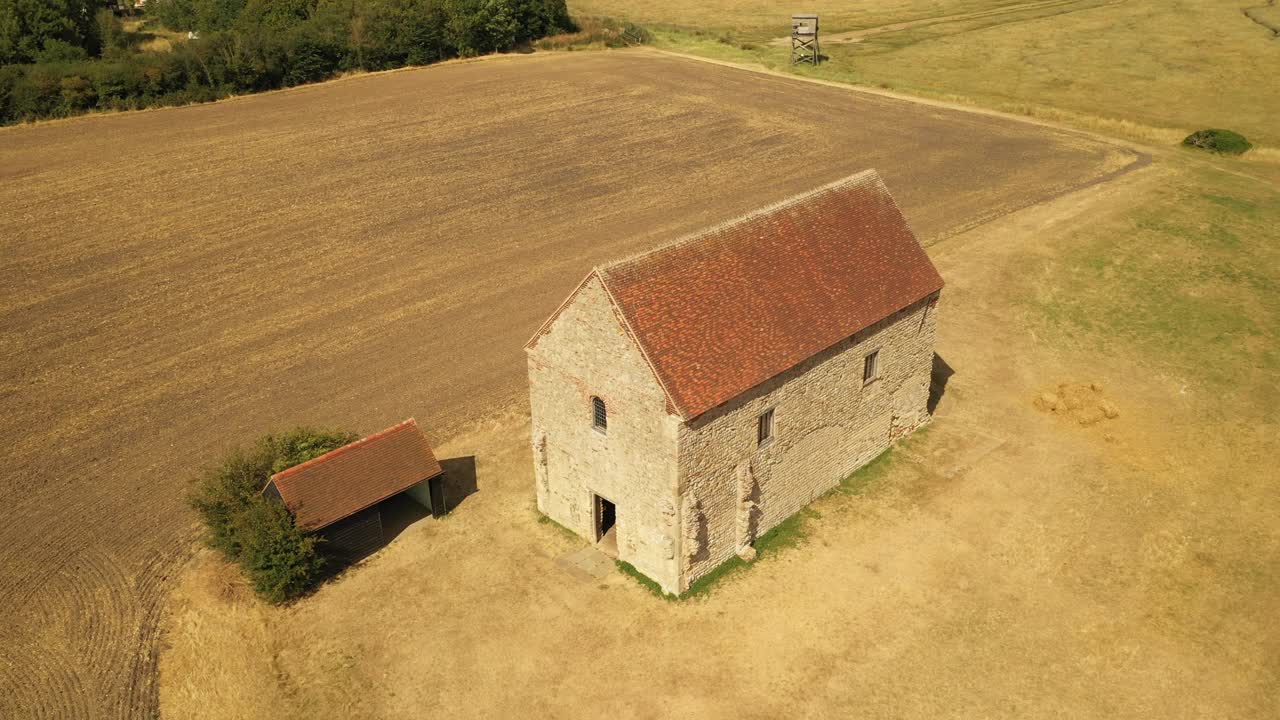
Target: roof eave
[
  {"x": 317, "y": 528},
  {"x": 546, "y": 325}
]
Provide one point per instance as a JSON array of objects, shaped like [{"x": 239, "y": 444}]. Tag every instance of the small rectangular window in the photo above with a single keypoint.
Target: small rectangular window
[
  {"x": 764, "y": 427},
  {"x": 599, "y": 415},
  {"x": 869, "y": 369}
]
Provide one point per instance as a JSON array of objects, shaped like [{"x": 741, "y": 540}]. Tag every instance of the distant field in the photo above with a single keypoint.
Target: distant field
[
  {"x": 355, "y": 253},
  {"x": 768, "y": 18},
  {"x": 1154, "y": 69}
]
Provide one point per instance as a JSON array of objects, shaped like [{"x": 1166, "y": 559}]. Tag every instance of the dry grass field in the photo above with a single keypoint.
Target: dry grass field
[
  {"x": 179, "y": 281},
  {"x": 764, "y": 17},
  {"x": 1012, "y": 561},
  {"x": 1150, "y": 69}
]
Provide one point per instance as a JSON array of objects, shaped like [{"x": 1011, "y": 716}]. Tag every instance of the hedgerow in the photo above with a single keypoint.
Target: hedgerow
[{"x": 247, "y": 46}]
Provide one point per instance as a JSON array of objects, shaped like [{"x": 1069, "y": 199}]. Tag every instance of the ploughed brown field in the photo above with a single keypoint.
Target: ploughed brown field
[{"x": 350, "y": 254}]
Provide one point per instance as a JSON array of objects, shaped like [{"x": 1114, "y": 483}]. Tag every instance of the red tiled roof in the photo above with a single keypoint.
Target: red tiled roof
[
  {"x": 345, "y": 481},
  {"x": 721, "y": 311}
]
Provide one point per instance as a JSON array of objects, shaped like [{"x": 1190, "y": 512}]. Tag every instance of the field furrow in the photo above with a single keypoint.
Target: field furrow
[{"x": 355, "y": 253}]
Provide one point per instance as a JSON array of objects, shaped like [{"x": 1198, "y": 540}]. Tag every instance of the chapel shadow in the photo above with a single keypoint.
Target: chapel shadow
[{"x": 938, "y": 379}]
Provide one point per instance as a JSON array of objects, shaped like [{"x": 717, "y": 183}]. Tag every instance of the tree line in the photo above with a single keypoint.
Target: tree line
[{"x": 63, "y": 57}]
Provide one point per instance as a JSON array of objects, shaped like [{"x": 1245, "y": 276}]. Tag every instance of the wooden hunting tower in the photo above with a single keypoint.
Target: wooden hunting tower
[{"x": 804, "y": 39}]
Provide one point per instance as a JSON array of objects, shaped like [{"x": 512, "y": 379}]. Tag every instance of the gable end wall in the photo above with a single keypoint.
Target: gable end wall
[{"x": 586, "y": 352}]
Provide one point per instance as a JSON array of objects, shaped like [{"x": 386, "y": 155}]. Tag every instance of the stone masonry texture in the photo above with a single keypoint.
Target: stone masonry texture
[
  {"x": 584, "y": 353},
  {"x": 826, "y": 425},
  {"x": 690, "y": 494}
]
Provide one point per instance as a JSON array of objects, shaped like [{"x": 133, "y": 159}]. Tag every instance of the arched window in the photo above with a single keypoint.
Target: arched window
[{"x": 599, "y": 416}]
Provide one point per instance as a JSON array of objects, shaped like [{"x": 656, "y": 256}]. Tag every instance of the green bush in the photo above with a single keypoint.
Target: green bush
[
  {"x": 303, "y": 444},
  {"x": 598, "y": 32},
  {"x": 58, "y": 51},
  {"x": 280, "y": 561},
  {"x": 1225, "y": 142}
]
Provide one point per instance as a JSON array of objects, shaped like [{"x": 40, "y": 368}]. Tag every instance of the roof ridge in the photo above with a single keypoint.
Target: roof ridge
[
  {"x": 338, "y": 451},
  {"x": 859, "y": 178}
]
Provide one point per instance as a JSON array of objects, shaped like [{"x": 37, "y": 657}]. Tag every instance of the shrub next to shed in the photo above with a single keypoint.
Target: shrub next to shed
[{"x": 279, "y": 559}]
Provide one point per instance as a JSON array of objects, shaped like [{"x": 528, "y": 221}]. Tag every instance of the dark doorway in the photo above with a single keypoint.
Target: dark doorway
[
  {"x": 435, "y": 486},
  {"x": 606, "y": 526}
]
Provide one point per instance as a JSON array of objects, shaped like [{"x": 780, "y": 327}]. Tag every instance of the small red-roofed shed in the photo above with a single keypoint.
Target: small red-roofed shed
[{"x": 342, "y": 492}]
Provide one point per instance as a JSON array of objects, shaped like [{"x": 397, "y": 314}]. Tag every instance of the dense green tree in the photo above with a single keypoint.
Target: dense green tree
[
  {"x": 1223, "y": 142},
  {"x": 111, "y": 35},
  {"x": 60, "y": 51},
  {"x": 244, "y": 46},
  {"x": 202, "y": 15},
  {"x": 226, "y": 491},
  {"x": 26, "y": 26},
  {"x": 276, "y": 15},
  {"x": 174, "y": 14}
]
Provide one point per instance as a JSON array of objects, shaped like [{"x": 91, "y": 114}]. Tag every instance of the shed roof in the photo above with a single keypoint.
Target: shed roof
[
  {"x": 721, "y": 311},
  {"x": 345, "y": 481}
]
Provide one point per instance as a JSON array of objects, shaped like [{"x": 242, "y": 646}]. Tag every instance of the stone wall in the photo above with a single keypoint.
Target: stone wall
[
  {"x": 587, "y": 353},
  {"x": 827, "y": 424}
]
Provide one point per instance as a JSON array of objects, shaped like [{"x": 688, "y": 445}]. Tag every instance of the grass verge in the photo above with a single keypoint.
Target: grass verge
[
  {"x": 566, "y": 532},
  {"x": 630, "y": 571}
]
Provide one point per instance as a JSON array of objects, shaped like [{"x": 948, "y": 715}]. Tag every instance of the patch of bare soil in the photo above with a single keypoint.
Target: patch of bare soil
[
  {"x": 1008, "y": 565},
  {"x": 349, "y": 254},
  {"x": 1082, "y": 403}
]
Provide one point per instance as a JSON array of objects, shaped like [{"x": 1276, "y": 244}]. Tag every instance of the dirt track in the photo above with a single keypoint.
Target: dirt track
[{"x": 355, "y": 253}]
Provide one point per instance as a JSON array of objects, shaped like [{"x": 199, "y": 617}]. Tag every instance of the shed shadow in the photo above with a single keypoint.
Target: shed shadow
[
  {"x": 459, "y": 480},
  {"x": 942, "y": 373}
]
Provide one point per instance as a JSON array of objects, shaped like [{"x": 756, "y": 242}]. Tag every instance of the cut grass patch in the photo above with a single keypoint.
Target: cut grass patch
[{"x": 1190, "y": 282}]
